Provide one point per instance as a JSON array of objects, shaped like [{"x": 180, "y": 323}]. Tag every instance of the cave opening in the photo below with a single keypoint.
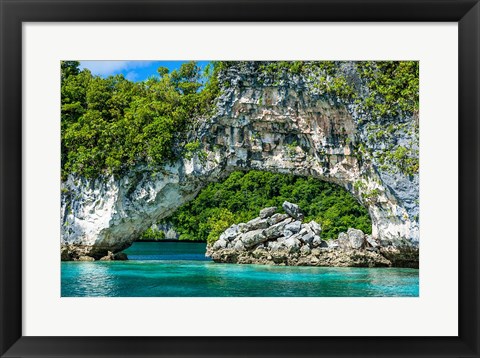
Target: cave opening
[{"x": 242, "y": 194}]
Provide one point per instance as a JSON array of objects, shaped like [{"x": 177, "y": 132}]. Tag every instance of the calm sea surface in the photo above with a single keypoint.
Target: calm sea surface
[{"x": 181, "y": 270}]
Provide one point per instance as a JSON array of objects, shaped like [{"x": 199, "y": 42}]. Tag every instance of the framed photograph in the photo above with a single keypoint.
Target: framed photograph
[{"x": 239, "y": 178}]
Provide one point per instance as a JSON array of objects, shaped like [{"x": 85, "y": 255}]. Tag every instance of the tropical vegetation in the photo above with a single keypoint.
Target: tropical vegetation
[
  {"x": 241, "y": 196},
  {"x": 111, "y": 124}
]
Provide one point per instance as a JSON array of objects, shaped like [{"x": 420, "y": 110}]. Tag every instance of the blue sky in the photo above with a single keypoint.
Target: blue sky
[{"x": 132, "y": 70}]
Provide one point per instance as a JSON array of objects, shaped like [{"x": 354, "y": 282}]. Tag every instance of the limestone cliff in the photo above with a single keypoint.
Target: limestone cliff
[{"x": 287, "y": 126}]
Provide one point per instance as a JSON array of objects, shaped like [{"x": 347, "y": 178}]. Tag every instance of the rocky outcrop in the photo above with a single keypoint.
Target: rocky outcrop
[
  {"x": 283, "y": 239},
  {"x": 288, "y": 126},
  {"x": 110, "y": 256}
]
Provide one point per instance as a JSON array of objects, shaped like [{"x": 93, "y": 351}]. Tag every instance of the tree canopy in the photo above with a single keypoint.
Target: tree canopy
[
  {"x": 242, "y": 195},
  {"x": 110, "y": 124}
]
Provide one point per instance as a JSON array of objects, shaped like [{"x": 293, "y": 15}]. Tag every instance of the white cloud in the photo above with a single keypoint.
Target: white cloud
[
  {"x": 131, "y": 76},
  {"x": 106, "y": 68}
]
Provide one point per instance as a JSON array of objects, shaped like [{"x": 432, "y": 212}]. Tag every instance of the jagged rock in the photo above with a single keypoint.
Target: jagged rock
[
  {"x": 316, "y": 257},
  {"x": 267, "y": 212},
  {"x": 256, "y": 224},
  {"x": 231, "y": 233},
  {"x": 171, "y": 234},
  {"x": 293, "y": 210},
  {"x": 239, "y": 246},
  {"x": 324, "y": 244},
  {"x": 309, "y": 230},
  {"x": 120, "y": 256},
  {"x": 65, "y": 256},
  {"x": 316, "y": 241},
  {"x": 258, "y": 252},
  {"x": 303, "y": 231},
  {"x": 276, "y": 218},
  {"x": 220, "y": 244},
  {"x": 401, "y": 242},
  {"x": 356, "y": 237},
  {"x": 287, "y": 233},
  {"x": 276, "y": 246},
  {"x": 271, "y": 244},
  {"x": 279, "y": 256},
  {"x": 343, "y": 241},
  {"x": 371, "y": 241},
  {"x": 385, "y": 243},
  {"x": 276, "y": 230},
  {"x": 401, "y": 257},
  {"x": 294, "y": 227},
  {"x": 251, "y": 238},
  {"x": 108, "y": 257},
  {"x": 292, "y": 244},
  {"x": 315, "y": 227},
  {"x": 305, "y": 250},
  {"x": 242, "y": 227},
  {"x": 333, "y": 244},
  {"x": 260, "y": 246},
  {"x": 279, "y": 246},
  {"x": 85, "y": 258},
  {"x": 307, "y": 238}
]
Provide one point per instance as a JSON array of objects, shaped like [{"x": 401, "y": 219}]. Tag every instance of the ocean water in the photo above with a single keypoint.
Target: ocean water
[{"x": 181, "y": 270}]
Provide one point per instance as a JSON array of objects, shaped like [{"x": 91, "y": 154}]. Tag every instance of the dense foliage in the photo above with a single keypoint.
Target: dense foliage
[
  {"x": 152, "y": 234},
  {"x": 393, "y": 87},
  {"x": 242, "y": 195},
  {"x": 110, "y": 124}
]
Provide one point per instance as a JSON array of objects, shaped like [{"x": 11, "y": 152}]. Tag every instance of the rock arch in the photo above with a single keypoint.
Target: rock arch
[{"x": 281, "y": 129}]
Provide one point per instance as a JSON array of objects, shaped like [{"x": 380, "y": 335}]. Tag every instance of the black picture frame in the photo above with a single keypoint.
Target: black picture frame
[{"x": 15, "y": 12}]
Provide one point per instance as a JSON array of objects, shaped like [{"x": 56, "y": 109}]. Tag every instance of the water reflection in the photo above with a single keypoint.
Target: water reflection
[
  {"x": 183, "y": 272},
  {"x": 206, "y": 279},
  {"x": 93, "y": 280}
]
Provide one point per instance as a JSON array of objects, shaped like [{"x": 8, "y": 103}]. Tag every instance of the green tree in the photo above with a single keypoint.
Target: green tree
[{"x": 111, "y": 124}]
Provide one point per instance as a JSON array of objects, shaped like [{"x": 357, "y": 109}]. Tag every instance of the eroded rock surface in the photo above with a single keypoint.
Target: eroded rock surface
[{"x": 303, "y": 246}]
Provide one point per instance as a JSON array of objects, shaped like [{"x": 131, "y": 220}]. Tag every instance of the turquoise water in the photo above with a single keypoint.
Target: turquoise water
[{"x": 181, "y": 270}]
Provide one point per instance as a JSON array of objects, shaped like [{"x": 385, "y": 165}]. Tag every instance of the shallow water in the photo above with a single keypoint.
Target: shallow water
[{"x": 181, "y": 270}]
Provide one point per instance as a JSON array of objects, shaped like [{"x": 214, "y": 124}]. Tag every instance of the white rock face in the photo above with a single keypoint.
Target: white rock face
[
  {"x": 283, "y": 128},
  {"x": 267, "y": 212},
  {"x": 107, "y": 215},
  {"x": 356, "y": 238},
  {"x": 230, "y": 233}
]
